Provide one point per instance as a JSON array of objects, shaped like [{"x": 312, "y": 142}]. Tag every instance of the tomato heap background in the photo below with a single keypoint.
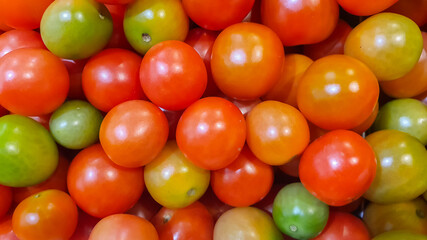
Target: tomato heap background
[{"x": 213, "y": 119}]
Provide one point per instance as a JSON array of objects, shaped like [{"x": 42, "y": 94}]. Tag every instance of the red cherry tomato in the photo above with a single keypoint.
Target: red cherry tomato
[
  {"x": 111, "y": 77},
  {"x": 211, "y": 133},
  {"x": 32, "y": 82},
  {"x": 192, "y": 222},
  {"x": 300, "y": 21},
  {"x": 413, "y": 9},
  {"x": 217, "y": 14},
  {"x": 146, "y": 207},
  {"x": 100, "y": 187},
  {"x": 5, "y": 200},
  {"x": 338, "y": 167},
  {"x": 365, "y": 7},
  {"x": 84, "y": 226},
  {"x": 6, "y": 231},
  {"x": 16, "y": 39},
  {"x": 173, "y": 75},
  {"x": 118, "y": 38},
  {"x": 75, "y": 70},
  {"x": 23, "y": 14}
]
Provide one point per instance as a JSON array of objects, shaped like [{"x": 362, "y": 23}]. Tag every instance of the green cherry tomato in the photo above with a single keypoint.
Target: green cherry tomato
[
  {"x": 406, "y": 115},
  {"x": 28, "y": 153},
  {"x": 148, "y": 22},
  {"x": 76, "y": 29},
  {"x": 388, "y": 43},
  {"x": 400, "y": 235},
  {"x": 401, "y": 167},
  {"x": 299, "y": 214},
  {"x": 75, "y": 125}
]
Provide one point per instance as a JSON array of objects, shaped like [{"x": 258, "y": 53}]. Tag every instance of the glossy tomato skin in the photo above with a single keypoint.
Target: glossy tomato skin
[
  {"x": 210, "y": 14},
  {"x": 133, "y": 133},
  {"x": 49, "y": 215},
  {"x": 22, "y": 72},
  {"x": 337, "y": 92},
  {"x": 6, "y": 231},
  {"x": 173, "y": 75},
  {"x": 16, "y": 39},
  {"x": 246, "y": 223},
  {"x": 413, "y": 9},
  {"x": 338, "y": 167},
  {"x": 23, "y": 14},
  {"x": 300, "y": 22},
  {"x": 5, "y": 200},
  {"x": 238, "y": 54},
  {"x": 398, "y": 178},
  {"x": 111, "y": 77},
  {"x": 147, "y": 23},
  {"x": 211, "y": 133},
  {"x": 118, "y": 38},
  {"x": 76, "y": 29},
  {"x": 365, "y": 7},
  {"x": 276, "y": 132},
  {"x": 244, "y": 182},
  {"x": 388, "y": 43},
  {"x": 343, "y": 226},
  {"x": 100, "y": 187},
  {"x": 34, "y": 155},
  {"x": 123, "y": 227},
  {"x": 173, "y": 180},
  {"x": 190, "y": 223}
]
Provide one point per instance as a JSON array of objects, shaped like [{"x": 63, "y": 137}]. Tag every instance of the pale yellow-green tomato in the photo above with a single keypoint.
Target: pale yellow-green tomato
[{"x": 172, "y": 180}]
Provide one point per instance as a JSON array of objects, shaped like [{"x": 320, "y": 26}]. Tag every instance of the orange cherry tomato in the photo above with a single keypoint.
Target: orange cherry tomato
[
  {"x": 23, "y": 14},
  {"x": 238, "y": 55},
  {"x": 365, "y": 7},
  {"x": 416, "y": 10},
  {"x": 16, "y": 39},
  {"x": 276, "y": 132},
  {"x": 5, "y": 200},
  {"x": 337, "y": 92},
  {"x": 47, "y": 215},
  {"x": 300, "y": 21}
]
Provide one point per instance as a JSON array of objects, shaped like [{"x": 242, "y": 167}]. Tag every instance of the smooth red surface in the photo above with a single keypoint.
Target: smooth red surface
[
  {"x": 23, "y": 14},
  {"x": 16, "y": 39},
  {"x": 365, "y": 7},
  {"x": 413, "y": 9}
]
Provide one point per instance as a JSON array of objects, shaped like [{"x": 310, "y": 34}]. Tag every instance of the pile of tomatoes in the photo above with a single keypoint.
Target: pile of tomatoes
[{"x": 213, "y": 119}]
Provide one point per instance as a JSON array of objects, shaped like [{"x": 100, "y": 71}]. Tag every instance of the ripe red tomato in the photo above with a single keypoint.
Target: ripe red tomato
[
  {"x": 238, "y": 54},
  {"x": 16, "y": 39},
  {"x": 217, "y": 14},
  {"x": 300, "y": 21},
  {"x": 118, "y": 38},
  {"x": 343, "y": 226},
  {"x": 111, "y": 77},
  {"x": 75, "y": 70},
  {"x": 32, "y": 82},
  {"x": 133, "y": 133},
  {"x": 49, "y": 215},
  {"x": 173, "y": 75},
  {"x": 6, "y": 231},
  {"x": 123, "y": 227},
  {"x": 338, "y": 167},
  {"x": 211, "y": 133},
  {"x": 23, "y": 14},
  {"x": 244, "y": 182},
  {"x": 192, "y": 222},
  {"x": 365, "y": 7},
  {"x": 100, "y": 187},
  {"x": 84, "y": 226},
  {"x": 5, "y": 200}
]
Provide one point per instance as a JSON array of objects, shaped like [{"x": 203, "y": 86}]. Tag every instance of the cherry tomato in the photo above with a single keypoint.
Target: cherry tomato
[
  {"x": 338, "y": 167},
  {"x": 146, "y": 207},
  {"x": 337, "y": 92},
  {"x": 192, "y": 222},
  {"x": 238, "y": 54},
  {"x": 49, "y": 215},
  {"x": 211, "y": 133},
  {"x": 343, "y": 226},
  {"x": 173, "y": 75},
  {"x": 413, "y": 9},
  {"x": 23, "y": 14},
  {"x": 388, "y": 43},
  {"x": 118, "y": 38},
  {"x": 398, "y": 235},
  {"x": 23, "y": 72},
  {"x": 217, "y": 14},
  {"x": 112, "y": 77},
  {"x": 244, "y": 182},
  {"x": 148, "y": 22},
  {"x": 276, "y": 132},
  {"x": 123, "y": 227},
  {"x": 100, "y": 187},
  {"x": 172, "y": 180},
  {"x": 6, "y": 231},
  {"x": 16, "y": 39},
  {"x": 5, "y": 200},
  {"x": 365, "y": 7},
  {"x": 84, "y": 226},
  {"x": 300, "y": 21},
  {"x": 75, "y": 69}
]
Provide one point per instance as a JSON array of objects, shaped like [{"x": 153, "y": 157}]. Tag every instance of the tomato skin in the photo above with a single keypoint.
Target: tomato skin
[
  {"x": 6, "y": 231},
  {"x": 173, "y": 75},
  {"x": 118, "y": 38},
  {"x": 23, "y": 95},
  {"x": 237, "y": 55},
  {"x": 343, "y": 226},
  {"x": 211, "y": 133},
  {"x": 413, "y": 9},
  {"x": 23, "y": 14},
  {"x": 300, "y": 22},
  {"x": 5, "y": 200},
  {"x": 49, "y": 215},
  {"x": 111, "y": 77},
  {"x": 337, "y": 92},
  {"x": 123, "y": 227},
  {"x": 100, "y": 187},
  {"x": 190, "y": 223},
  {"x": 235, "y": 184},
  {"x": 133, "y": 133},
  {"x": 16, "y": 39},
  {"x": 210, "y": 14},
  {"x": 338, "y": 167},
  {"x": 365, "y": 7}
]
